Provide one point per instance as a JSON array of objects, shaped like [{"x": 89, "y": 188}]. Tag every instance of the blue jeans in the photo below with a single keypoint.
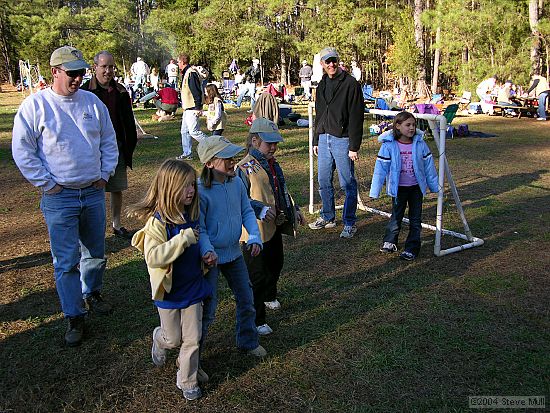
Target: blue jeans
[
  {"x": 333, "y": 154},
  {"x": 542, "y": 105},
  {"x": 411, "y": 195},
  {"x": 76, "y": 224},
  {"x": 236, "y": 274},
  {"x": 250, "y": 90},
  {"x": 190, "y": 128},
  {"x": 140, "y": 80}
]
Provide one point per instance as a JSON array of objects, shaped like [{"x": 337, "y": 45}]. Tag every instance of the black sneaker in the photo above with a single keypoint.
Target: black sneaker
[
  {"x": 96, "y": 304},
  {"x": 407, "y": 256},
  {"x": 123, "y": 232},
  {"x": 75, "y": 331}
]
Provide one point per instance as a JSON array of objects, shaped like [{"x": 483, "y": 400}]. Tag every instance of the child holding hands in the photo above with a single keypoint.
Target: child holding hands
[
  {"x": 224, "y": 210},
  {"x": 169, "y": 244},
  {"x": 405, "y": 162}
]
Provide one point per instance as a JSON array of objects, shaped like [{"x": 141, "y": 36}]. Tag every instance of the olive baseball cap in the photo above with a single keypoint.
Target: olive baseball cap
[
  {"x": 327, "y": 53},
  {"x": 266, "y": 130},
  {"x": 217, "y": 147},
  {"x": 69, "y": 58}
]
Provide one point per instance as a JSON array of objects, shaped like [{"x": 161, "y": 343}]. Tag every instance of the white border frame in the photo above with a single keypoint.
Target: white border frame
[{"x": 438, "y": 124}]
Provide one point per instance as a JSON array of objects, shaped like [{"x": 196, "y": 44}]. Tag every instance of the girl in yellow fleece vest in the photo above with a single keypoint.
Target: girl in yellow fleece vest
[
  {"x": 275, "y": 212},
  {"x": 169, "y": 242}
]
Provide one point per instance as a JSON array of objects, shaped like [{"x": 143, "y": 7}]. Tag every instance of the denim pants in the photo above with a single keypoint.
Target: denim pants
[
  {"x": 190, "y": 128},
  {"x": 76, "y": 224},
  {"x": 306, "y": 84},
  {"x": 333, "y": 154},
  {"x": 542, "y": 105},
  {"x": 411, "y": 195},
  {"x": 265, "y": 270},
  {"x": 249, "y": 89},
  {"x": 236, "y": 274},
  {"x": 172, "y": 81},
  {"x": 140, "y": 80},
  {"x": 182, "y": 328}
]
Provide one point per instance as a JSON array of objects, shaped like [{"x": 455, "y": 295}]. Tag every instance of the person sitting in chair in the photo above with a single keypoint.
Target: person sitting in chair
[{"x": 505, "y": 97}]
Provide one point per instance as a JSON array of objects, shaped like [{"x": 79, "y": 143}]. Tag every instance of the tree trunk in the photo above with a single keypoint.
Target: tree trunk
[
  {"x": 5, "y": 51},
  {"x": 261, "y": 66},
  {"x": 283, "y": 65},
  {"x": 437, "y": 55},
  {"x": 536, "y": 47},
  {"x": 422, "y": 88}
]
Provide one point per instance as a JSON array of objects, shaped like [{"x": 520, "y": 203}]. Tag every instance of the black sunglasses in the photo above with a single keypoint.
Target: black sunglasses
[
  {"x": 331, "y": 60},
  {"x": 74, "y": 73}
]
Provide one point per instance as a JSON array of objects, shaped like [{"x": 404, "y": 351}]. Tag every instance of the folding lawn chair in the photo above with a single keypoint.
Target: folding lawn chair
[
  {"x": 450, "y": 113},
  {"x": 368, "y": 97},
  {"x": 299, "y": 94},
  {"x": 465, "y": 100}
]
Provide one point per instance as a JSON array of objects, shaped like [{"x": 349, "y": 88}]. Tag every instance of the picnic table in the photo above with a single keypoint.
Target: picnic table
[{"x": 527, "y": 106}]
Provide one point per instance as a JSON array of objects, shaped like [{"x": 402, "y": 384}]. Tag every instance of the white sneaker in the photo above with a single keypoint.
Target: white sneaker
[
  {"x": 541, "y": 119},
  {"x": 191, "y": 394},
  {"x": 158, "y": 355},
  {"x": 257, "y": 352},
  {"x": 348, "y": 231},
  {"x": 320, "y": 223},
  {"x": 388, "y": 247},
  {"x": 273, "y": 305},
  {"x": 264, "y": 330}
]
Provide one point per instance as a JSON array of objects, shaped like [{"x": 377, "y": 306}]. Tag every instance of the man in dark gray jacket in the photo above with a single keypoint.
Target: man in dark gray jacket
[{"x": 338, "y": 132}]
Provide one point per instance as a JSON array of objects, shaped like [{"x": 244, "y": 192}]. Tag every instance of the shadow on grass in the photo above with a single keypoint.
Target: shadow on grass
[
  {"x": 358, "y": 331},
  {"x": 26, "y": 261},
  {"x": 323, "y": 294},
  {"x": 491, "y": 186},
  {"x": 38, "y": 304}
]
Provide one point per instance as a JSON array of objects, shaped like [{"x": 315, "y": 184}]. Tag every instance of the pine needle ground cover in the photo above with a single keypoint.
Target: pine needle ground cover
[{"x": 358, "y": 331}]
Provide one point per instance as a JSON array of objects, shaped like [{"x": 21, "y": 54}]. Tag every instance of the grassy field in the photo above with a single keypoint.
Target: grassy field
[{"x": 358, "y": 331}]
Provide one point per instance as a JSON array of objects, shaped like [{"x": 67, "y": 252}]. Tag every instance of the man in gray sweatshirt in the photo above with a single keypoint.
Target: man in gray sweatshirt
[{"x": 64, "y": 143}]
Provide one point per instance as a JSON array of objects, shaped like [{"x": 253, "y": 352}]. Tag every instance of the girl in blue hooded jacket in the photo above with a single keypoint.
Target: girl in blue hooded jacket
[{"x": 405, "y": 162}]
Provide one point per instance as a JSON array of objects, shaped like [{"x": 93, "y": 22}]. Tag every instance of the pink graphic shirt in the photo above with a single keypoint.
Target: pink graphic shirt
[{"x": 406, "y": 176}]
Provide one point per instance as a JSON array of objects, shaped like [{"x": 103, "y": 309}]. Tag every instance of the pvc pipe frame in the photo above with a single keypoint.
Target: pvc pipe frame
[{"x": 434, "y": 121}]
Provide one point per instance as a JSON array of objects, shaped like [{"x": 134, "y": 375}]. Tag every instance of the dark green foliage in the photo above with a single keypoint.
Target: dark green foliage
[{"x": 478, "y": 38}]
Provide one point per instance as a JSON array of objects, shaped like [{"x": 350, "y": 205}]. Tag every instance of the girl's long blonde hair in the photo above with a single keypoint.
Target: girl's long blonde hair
[{"x": 165, "y": 194}]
